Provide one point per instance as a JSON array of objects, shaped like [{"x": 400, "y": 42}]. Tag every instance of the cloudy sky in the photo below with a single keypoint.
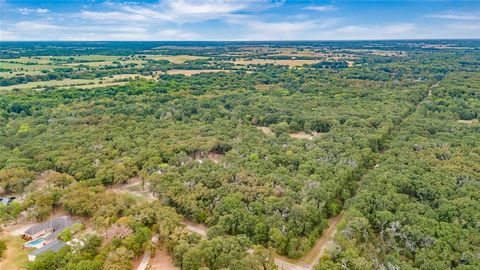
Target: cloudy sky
[{"x": 237, "y": 20}]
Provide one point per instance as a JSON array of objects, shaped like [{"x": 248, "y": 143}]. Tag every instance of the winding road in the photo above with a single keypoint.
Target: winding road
[{"x": 306, "y": 262}]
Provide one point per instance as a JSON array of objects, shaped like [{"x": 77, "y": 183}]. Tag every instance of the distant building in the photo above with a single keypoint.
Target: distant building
[{"x": 52, "y": 246}]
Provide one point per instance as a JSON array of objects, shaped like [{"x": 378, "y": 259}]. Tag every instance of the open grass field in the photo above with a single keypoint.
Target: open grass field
[
  {"x": 37, "y": 60},
  {"x": 78, "y": 83},
  {"x": 176, "y": 59},
  {"x": 8, "y": 74},
  {"x": 15, "y": 257},
  {"x": 26, "y": 68},
  {"x": 190, "y": 72},
  {"x": 65, "y": 82},
  {"x": 87, "y": 57},
  {"x": 289, "y": 62}
]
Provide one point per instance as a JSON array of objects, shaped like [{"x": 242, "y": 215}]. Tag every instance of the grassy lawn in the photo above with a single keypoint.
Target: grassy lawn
[
  {"x": 16, "y": 257},
  {"x": 65, "y": 82}
]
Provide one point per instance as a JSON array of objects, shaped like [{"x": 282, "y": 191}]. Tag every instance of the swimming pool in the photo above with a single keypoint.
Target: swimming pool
[{"x": 35, "y": 243}]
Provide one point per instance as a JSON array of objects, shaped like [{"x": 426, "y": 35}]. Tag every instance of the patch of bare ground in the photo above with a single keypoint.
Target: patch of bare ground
[
  {"x": 162, "y": 260},
  {"x": 136, "y": 262},
  {"x": 266, "y": 130},
  {"x": 190, "y": 72},
  {"x": 468, "y": 122},
  {"x": 41, "y": 180},
  {"x": 131, "y": 182},
  {"x": 313, "y": 257},
  {"x": 200, "y": 229},
  {"x": 134, "y": 187},
  {"x": 305, "y": 136},
  {"x": 212, "y": 156}
]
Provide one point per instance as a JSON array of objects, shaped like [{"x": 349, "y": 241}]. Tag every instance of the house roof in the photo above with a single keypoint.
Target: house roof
[
  {"x": 53, "y": 246},
  {"x": 57, "y": 224}
]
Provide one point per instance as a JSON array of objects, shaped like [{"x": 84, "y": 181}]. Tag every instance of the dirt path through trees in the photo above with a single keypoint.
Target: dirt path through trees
[{"x": 308, "y": 261}]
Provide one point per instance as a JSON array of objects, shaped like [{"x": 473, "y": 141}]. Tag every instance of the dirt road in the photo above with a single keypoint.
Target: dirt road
[{"x": 306, "y": 262}]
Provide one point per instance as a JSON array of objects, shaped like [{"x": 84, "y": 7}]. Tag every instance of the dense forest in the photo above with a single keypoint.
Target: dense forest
[
  {"x": 263, "y": 155},
  {"x": 419, "y": 208}
]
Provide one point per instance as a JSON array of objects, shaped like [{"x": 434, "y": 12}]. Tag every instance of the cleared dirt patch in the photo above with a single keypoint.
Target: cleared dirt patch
[
  {"x": 200, "y": 229},
  {"x": 304, "y": 136},
  {"x": 134, "y": 187},
  {"x": 162, "y": 260},
  {"x": 267, "y": 131},
  {"x": 212, "y": 156},
  {"x": 468, "y": 122}
]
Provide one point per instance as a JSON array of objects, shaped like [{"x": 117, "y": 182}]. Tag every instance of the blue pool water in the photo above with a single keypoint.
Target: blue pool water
[{"x": 35, "y": 242}]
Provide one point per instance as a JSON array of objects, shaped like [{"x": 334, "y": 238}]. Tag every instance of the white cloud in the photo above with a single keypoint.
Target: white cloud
[
  {"x": 29, "y": 26},
  {"x": 322, "y": 8},
  {"x": 27, "y": 11},
  {"x": 205, "y": 9},
  {"x": 284, "y": 30},
  {"x": 455, "y": 16},
  {"x": 113, "y": 16},
  {"x": 462, "y": 27},
  {"x": 7, "y": 35},
  {"x": 42, "y": 10},
  {"x": 221, "y": 20},
  {"x": 284, "y": 27},
  {"x": 175, "y": 34},
  {"x": 389, "y": 31},
  {"x": 177, "y": 11}
]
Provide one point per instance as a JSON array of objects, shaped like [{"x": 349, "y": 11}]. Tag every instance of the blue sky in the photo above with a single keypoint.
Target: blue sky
[{"x": 237, "y": 20}]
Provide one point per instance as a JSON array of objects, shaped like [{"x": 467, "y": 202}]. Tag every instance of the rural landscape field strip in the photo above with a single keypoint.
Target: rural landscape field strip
[{"x": 284, "y": 155}]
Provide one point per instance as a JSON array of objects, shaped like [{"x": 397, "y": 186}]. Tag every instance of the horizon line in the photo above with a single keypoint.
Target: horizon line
[{"x": 285, "y": 40}]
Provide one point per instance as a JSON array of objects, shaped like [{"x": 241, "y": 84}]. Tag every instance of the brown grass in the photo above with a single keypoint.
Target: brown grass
[
  {"x": 290, "y": 62},
  {"x": 16, "y": 257},
  {"x": 266, "y": 130},
  {"x": 304, "y": 136},
  {"x": 176, "y": 59},
  {"x": 468, "y": 122},
  {"x": 190, "y": 72}
]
